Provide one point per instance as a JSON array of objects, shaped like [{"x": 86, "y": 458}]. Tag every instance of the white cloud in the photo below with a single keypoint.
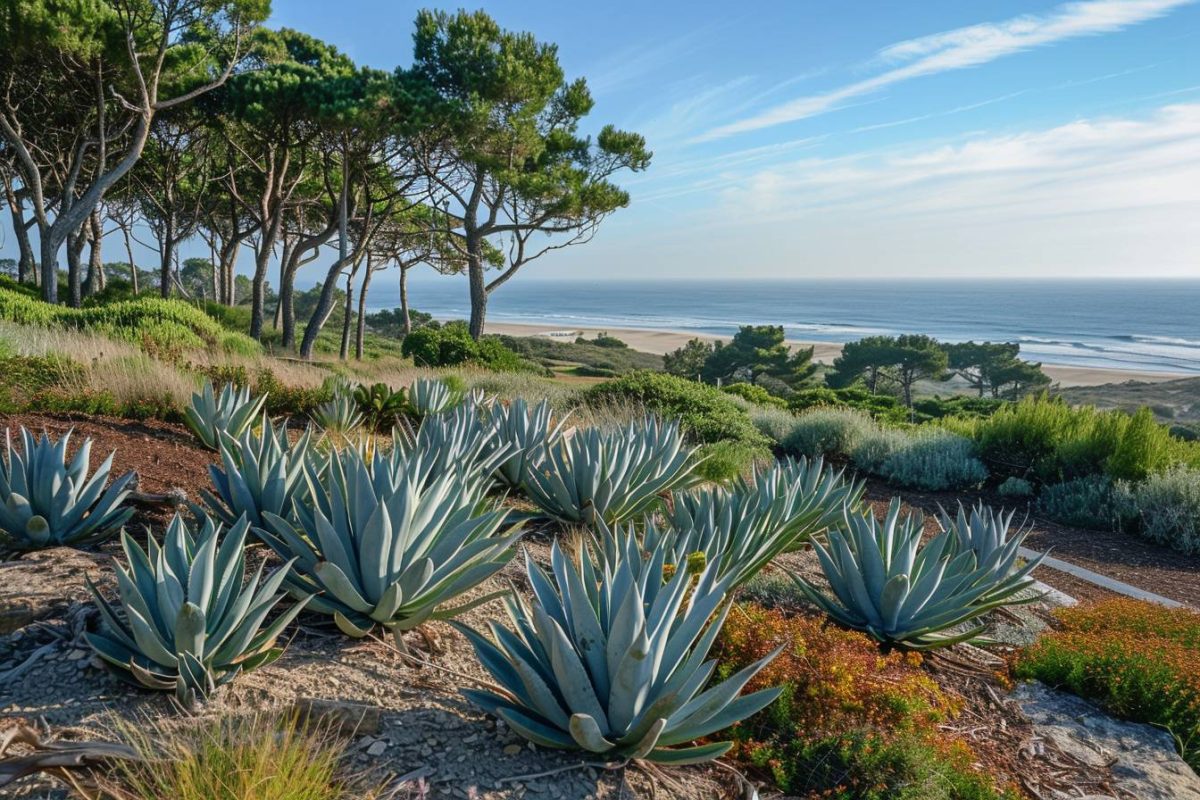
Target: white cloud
[
  {"x": 1078, "y": 168},
  {"x": 960, "y": 48}
]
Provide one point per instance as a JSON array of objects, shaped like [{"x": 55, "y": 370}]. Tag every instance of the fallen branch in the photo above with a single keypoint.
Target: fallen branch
[{"x": 61, "y": 759}]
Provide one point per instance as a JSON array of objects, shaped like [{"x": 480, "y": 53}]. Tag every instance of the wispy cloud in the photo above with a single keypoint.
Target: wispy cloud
[
  {"x": 1084, "y": 167},
  {"x": 960, "y": 48}
]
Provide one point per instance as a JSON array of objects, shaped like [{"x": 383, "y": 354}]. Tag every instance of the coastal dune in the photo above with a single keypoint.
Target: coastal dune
[{"x": 664, "y": 341}]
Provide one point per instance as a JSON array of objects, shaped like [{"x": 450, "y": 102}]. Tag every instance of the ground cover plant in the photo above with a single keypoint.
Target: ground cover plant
[
  {"x": 851, "y": 722},
  {"x": 1139, "y": 660}
]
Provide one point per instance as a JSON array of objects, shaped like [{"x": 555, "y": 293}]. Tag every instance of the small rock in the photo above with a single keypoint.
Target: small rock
[
  {"x": 512, "y": 749},
  {"x": 76, "y": 654},
  {"x": 377, "y": 748}
]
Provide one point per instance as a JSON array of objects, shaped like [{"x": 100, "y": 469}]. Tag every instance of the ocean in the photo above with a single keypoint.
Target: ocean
[{"x": 1131, "y": 325}]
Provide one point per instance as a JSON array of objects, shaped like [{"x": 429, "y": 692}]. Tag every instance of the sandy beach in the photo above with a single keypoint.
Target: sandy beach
[{"x": 664, "y": 341}]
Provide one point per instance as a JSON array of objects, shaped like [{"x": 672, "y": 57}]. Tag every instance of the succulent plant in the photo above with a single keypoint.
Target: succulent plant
[
  {"x": 459, "y": 439},
  {"x": 384, "y": 547},
  {"x": 611, "y": 659},
  {"x": 430, "y": 396},
  {"x": 211, "y": 416},
  {"x": 983, "y": 531},
  {"x": 380, "y": 405},
  {"x": 260, "y": 471},
  {"x": 611, "y": 474},
  {"x": 743, "y": 528},
  {"x": 185, "y": 620},
  {"x": 48, "y": 502},
  {"x": 527, "y": 431},
  {"x": 889, "y": 585},
  {"x": 339, "y": 414}
]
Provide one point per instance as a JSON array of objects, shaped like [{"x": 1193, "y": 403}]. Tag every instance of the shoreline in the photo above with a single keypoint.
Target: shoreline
[{"x": 660, "y": 341}]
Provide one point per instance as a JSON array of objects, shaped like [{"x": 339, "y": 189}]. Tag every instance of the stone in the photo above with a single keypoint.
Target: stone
[
  {"x": 1143, "y": 759},
  {"x": 351, "y": 717},
  {"x": 377, "y": 748},
  {"x": 512, "y": 749}
]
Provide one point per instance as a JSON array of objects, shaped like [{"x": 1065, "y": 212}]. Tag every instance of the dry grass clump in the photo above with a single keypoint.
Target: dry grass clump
[
  {"x": 254, "y": 757},
  {"x": 1139, "y": 660}
]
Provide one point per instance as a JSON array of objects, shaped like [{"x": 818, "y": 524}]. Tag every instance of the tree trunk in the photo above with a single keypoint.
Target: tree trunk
[
  {"x": 325, "y": 302},
  {"x": 362, "y": 311},
  {"x": 479, "y": 295},
  {"x": 344, "y": 350},
  {"x": 16, "y": 207},
  {"x": 95, "y": 274},
  {"x": 75, "y": 244},
  {"x": 407, "y": 325},
  {"x": 285, "y": 258},
  {"x": 133, "y": 270},
  {"x": 49, "y": 266},
  {"x": 166, "y": 249}
]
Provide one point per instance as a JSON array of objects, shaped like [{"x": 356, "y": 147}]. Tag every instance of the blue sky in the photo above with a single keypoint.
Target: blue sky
[
  {"x": 867, "y": 139},
  {"x": 860, "y": 139}
]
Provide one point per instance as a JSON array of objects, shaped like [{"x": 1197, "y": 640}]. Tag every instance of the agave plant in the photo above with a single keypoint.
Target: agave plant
[
  {"x": 210, "y": 416},
  {"x": 430, "y": 396},
  {"x": 340, "y": 413},
  {"x": 48, "y": 502},
  {"x": 611, "y": 659},
  {"x": 384, "y": 547},
  {"x": 461, "y": 439},
  {"x": 888, "y": 585},
  {"x": 260, "y": 471},
  {"x": 527, "y": 431},
  {"x": 743, "y": 528},
  {"x": 611, "y": 474},
  {"x": 380, "y": 405},
  {"x": 186, "y": 622},
  {"x": 983, "y": 531}
]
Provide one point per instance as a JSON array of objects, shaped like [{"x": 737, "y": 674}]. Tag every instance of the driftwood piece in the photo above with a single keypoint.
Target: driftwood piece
[{"x": 66, "y": 760}]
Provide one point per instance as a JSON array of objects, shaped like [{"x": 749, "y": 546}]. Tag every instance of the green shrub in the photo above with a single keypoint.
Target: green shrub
[
  {"x": 27, "y": 377},
  {"x": 826, "y": 431},
  {"x": 1084, "y": 502},
  {"x": 1047, "y": 438},
  {"x": 880, "y": 406},
  {"x": 725, "y": 461},
  {"x": 774, "y": 423},
  {"x": 706, "y": 413},
  {"x": 451, "y": 345},
  {"x": 286, "y": 400},
  {"x": 594, "y": 357},
  {"x": 1164, "y": 508},
  {"x": 876, "y": 447},
  {"x": 163, "y": 328},
  {"x": 959, "y": 406},
  {"x": 934, "y": 460},
  {"x": 1015, "y": 487},
  {"x": 755, "y": 394}
]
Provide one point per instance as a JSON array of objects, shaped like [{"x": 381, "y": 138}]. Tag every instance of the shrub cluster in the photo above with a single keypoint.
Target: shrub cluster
[
  {"x": 1052, "y": 441},
  {"x": 754, "y": 394},
  {"x": 451, "y": 345},
  {"x": 852, "y": 723},
  {"x": 162, "y": 328},
  {"x": 1164, "y": 508},
  {"x": 927, "y": 458},
  {"x": 1139, "y": 660},
  {"x": 890, "y": 409}
]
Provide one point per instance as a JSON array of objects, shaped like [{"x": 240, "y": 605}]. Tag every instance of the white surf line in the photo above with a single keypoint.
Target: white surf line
[{"x": 1102, "y": 581}]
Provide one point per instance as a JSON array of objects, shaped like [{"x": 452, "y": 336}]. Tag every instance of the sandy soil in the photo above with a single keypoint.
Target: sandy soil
[{"x": 664, "y": 341}]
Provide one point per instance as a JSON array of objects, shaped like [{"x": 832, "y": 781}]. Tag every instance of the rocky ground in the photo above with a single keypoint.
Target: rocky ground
[{"x": 410, "y": 725}]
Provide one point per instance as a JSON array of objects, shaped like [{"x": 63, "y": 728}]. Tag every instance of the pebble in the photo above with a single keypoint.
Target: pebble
[
  {"x": 512, "y": 749},
  {"x": 377, "y": 748}
]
